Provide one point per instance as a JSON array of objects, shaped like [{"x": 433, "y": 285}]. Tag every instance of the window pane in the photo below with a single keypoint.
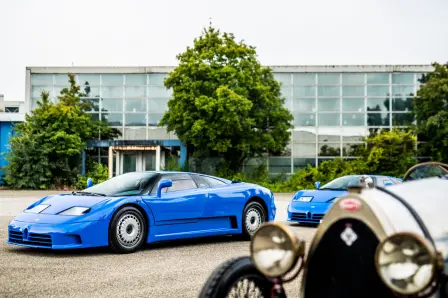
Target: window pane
[
  {"x": 304, "y": 150},
  {"x": 329, "y": 149},
  {"x": 94, "y": 116},
  {"x": 377, "y": 104},
  {"x": 183, "y": 184},
  {"x": 36, "y": 91},
  {"x": 113, "y": 119},
  {"x": 94, "y": 104},
  {"x": 352, "y": 90},
  {"x": 353, "y": 119},
  {"x": 159, "y": 92},
  {"x": 279, "y": 164},
  {"x": 403, "y": 91},
  {"x": 91, "y": 79},
  {"x": 353, "y": 79},
  {"x": 157, "y": 79},
  {"x": 328, "y": 79},
  {"x": 378, "y": 119},
  {"x": 112, "y": 80},
  {"x": 135, "y": 105},
  {"x": 328, "y": 91},
  {"x": 42, "y": 79},
  {"x": 402, "y": 119},
  {"x": 285, "y": 91},
  {"x": 305, "y": 91},
  {"x": 135, "y": 79},
  {"x": 300, "y": 163},
  {"x": 61, "y": 79},
  {"x": 377, "y": 90},
  {"x": 133, "y": 119},
  {"x": 213, "y": 182},
  {"x": 158, "y": 105},
  {"x": 135, "y": 91},
  {"x": 401, "y": 104},
  {"x": 112, "y": 104},
  {"x": 403, "y": 78},
  {"x": 353, "y": 104},
  {"x": 377, "y": 78},
  {"x": 304, "y": 119},
  {"x": 112, "y": 91},
  {"x": 304, "y": 79},
  {"x": 328, "y": 104},
  {"x": 352, "y": 149},
  {"x": 283, "y": 78},
  {"x": 329, "y": 119},
  {"x": 90, "y": 91},
  {"x": 154, "y": 118},
  {"x": 304, "y": 105},
  {"x": 300, "y": 136}
]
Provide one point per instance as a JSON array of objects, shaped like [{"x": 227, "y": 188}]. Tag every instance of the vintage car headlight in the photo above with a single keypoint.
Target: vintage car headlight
[
  {"x": 274, "y": 249},
  {"x": 74, "y": 211},
  {"x": 406, "y": 263}
]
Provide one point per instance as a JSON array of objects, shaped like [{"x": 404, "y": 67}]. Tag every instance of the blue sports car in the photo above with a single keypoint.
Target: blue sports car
[
  {"x": 132, "y": 209},
  {"x": 310, "y": 206}
]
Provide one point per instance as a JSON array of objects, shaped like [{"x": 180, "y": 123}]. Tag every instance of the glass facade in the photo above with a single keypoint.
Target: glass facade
[{"x": 332, "y": 111}]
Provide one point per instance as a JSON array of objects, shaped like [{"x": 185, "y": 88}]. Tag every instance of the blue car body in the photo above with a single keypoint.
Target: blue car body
[
  {"x": 314, "y": 210},
  {"x": 212, "y": 207}
]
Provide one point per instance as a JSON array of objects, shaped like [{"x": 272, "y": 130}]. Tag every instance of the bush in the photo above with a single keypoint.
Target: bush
[{"x": 99, "y": 173}]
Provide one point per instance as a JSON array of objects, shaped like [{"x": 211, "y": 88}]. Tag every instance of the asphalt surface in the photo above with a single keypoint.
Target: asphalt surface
[{"x": 170, "y": 269}]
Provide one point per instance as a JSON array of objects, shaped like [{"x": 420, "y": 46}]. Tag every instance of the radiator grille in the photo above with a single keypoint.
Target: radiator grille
[{"x": 31, "y": 239}]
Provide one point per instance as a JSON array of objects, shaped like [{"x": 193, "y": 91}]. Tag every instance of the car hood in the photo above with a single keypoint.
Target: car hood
[
  {"x": 319, "y": 196},
  {"x": 59, "y": 203}
]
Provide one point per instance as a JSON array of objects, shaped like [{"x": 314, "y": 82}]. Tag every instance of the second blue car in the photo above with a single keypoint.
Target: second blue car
[{"x": 310, "y": 206}]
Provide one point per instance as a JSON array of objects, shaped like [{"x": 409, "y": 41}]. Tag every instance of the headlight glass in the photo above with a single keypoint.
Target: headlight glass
[
  {"x": 304, "y": 199},
  {"x": 273, "y": 250},
  {"x": 405, "y": 263},
  {"x": 75, "y": 211},
  {"x": 37, "y": 209}
]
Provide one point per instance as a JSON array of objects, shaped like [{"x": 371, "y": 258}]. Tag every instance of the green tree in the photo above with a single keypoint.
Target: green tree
[
  {"x": 224, "y": 103},
  {"x": 46, "y": 152},
  {"x": 430, "y": 109}
]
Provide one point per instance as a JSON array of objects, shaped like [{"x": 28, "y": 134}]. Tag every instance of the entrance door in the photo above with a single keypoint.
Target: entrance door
[{"x": 129, "y": 162}]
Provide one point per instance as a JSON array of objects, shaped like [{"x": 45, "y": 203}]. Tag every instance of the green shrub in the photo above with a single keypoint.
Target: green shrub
[{"x": 99, "y": 173}]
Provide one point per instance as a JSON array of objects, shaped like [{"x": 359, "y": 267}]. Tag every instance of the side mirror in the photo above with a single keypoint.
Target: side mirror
[
  {"x": 89, "y": 182},
  {"x": 162, "y": 184},
  {"x": 317, "y": 184},
  {"x": 388, "y": 183}
]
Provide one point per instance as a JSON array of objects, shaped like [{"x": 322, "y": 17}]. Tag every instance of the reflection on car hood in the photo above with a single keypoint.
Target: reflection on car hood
[
  {"x": 60, "y": 203},
  {"x": 319, "y": 196}
]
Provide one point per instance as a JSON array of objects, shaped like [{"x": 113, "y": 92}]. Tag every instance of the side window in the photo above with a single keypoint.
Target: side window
[
  {"x": 200, "y": 181},
  {"x": 214, "y": 182},
  {"x": 182, "y": 184}
]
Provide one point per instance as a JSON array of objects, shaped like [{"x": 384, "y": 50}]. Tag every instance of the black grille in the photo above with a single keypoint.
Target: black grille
[
  {"x": 32, "y": 239},
  {"x": 310, "y": 217},
  {"x": 339, "y": 270}
]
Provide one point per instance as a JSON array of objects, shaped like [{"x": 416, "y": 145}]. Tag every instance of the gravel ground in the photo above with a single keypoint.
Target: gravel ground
[{"x": 170, "y": 269}]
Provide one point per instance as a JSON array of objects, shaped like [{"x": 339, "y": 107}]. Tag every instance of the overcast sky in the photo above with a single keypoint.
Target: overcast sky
[{"x": 152, "y": 33}]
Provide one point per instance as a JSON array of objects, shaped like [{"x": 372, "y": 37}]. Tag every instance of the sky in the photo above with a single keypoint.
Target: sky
[{"x": 152, "y": 33}]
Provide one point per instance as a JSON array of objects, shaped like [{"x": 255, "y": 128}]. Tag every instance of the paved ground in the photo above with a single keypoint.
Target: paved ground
[{"x": 171, "y": 269}]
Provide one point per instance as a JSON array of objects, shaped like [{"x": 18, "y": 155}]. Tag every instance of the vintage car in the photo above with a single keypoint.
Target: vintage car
[{"x": 374, "y": 242}]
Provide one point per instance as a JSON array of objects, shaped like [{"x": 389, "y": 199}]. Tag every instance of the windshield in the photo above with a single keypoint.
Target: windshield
[
  {"x": 342, "y": 183},
  {"x": 123, "y": 185}
]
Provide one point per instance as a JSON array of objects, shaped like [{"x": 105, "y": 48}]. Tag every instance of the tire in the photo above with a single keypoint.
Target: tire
[
  {"x": 253, "y": 216},
  {"x": 127, "y": 230},
  {"x": 238, "y": 273}
]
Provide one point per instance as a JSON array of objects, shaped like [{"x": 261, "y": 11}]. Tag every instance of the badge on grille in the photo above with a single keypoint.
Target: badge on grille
[{"x": 349, "y": 236}]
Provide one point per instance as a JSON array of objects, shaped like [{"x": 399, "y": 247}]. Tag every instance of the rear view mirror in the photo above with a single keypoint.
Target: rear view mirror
[
  {"x": 317, "y": 184},
  {"x": 162, "y": 184},
  {"x": 89, "y": 182}
]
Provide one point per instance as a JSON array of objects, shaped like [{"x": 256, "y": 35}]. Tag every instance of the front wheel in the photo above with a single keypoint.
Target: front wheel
[
  {"x": 127, "y": 231},
  {"x": 236, "y": 278},
  {"x": 253, "y": 216}
]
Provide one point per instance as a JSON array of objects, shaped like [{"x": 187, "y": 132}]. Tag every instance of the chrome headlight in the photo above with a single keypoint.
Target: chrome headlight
[
  {"x": 406, "y": 263},
  {"x": 75, "y": 211},
  {"x": 304, "y": 199},
  {"x": 275, "y": 250},
  {"x": 37, "y": 209}
]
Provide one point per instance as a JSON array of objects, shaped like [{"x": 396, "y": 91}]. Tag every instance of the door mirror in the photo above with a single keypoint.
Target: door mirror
[
  {"x": 89, "y": 182},
  {"x": 388, "y": 183},
  {"x": 162, "y": 184},
  {"x": 317, "y": 184}
]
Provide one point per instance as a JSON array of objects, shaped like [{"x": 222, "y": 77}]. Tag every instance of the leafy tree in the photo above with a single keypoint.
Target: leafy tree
[
  {"x": 430, "y": 109},
  {"x": 224, "y": 103},
  {"x": 46, "y": 152}
]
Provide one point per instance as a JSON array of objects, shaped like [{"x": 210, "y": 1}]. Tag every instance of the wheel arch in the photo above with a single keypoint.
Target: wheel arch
[
  {"x": 136, "y": 206},
  {"x": 258, "y": 199}
]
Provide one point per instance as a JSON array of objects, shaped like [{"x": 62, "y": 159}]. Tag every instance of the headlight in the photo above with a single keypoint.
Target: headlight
[
  {"x": 406, "y": 263},
  {"x": 75, "y": 211},
  {"x": 274, "y": 250},
  {"x": 37, "y": 209},
  {"x": 304, "y": 199}
]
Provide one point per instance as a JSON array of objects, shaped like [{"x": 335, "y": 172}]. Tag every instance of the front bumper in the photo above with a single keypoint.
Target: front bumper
[
  {"x": 306, "y": 212},
  {"x": 58, "y": 236}
]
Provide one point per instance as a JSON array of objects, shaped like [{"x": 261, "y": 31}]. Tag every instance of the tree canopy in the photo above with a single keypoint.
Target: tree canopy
[
  {"x": 46, "y": 152},
  {"x": 224, "y": 103},
  {"x": 430, "y": 109}
]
